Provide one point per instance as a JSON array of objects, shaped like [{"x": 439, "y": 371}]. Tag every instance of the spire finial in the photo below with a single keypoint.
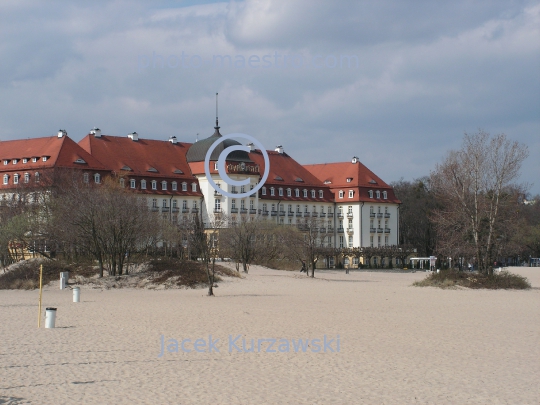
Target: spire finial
[{"x": 217, "y": 125}]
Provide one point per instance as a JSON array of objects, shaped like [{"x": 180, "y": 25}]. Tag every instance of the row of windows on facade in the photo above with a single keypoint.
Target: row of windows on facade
[
  {"x": 174, "y": 204},
  {"x": 289, "y": 192},
  {"x": 153, "y": 183},
  {"x": 25, "y": 160},
  {"x": 370, "y": 192},
  {"x": 17, "y": 178}
]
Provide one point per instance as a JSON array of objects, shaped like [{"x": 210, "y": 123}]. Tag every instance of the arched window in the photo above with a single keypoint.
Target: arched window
[
  {"x": 385, "y": 195},
  {"x": 122, "y": 183},
  {"x": 6, "y": 178},
  {"x": 174, "y": 186},
  {"x": 26, "y": 177},
  {"x": 280, "y": 192},
  {"x": 272, "y": 191},
  {"x": 312, "y": 193},
  {"x": 378, "y": 194},
  {"x": 305, "y": 193},
  {"x": 154, "y": 185},
  {"x": 97, "y": 178},
  {"x": 263, "y": 191},
  {"x": 132, "y": 183},
  {"x": 193, "y": 186},
  {"x": 297, "y": 193},
  {"x": 370, "y": 193},
  {"x": 321, "y": 194},
  {"x": 143, "y": 184},
  {"x": 16, "y": 178},
  {"x": 164, "y": 185}
]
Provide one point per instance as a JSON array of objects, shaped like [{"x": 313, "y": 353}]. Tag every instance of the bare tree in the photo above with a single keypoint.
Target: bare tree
[{"x": 475, "y": 188}]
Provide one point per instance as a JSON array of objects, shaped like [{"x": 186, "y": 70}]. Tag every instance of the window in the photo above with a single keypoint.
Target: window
[
  {"x": 297, "y": 193},
  {"x": 350, "y": 223},
  {"x": 371, "y": 210},
  {"x": 272, "y": 191},
  {"x": 349, "y": 179},
  {"x": 184, "y": 205},
  {"x": 25, "y": 160},
  {"x": 194, "y": 205},
  {"x": 330, "y": 245},
  {"x": 164, "y": 185},
  {"x": 36, "y": 177},
  {"x": 290, "y": 208},
  {"x": 132, "y": 183},
  {"x": 370, "y": 193},
  {"x": 340, "y": 193},
  {"x": 215, "y": 166},
  {"x": 174, "y": 186},
  {"x": 274, "y": 207},
  {"x": 122, "y": 183},
  {"x": 6, "y": 178},
  {"x": 143, "y": 184},
  {"x": 97, "y": 178},
  {"x": 184, "y": 186},
  {"x": 341, "y": 241},
  {"x": 351, "y": 193},
  {"x": 386, "y": 241},
  {"x": 233, "y": 203},
  {"x": 6, "y": 162},
  {"x": 386, "y": 210},
  {"x": 242, "y": 204},
  {"x": 26, "y": 177},
  {"x": 280, "y": 192},
  {"x": 349, "y": 209},
  {"x": 378, "y": 241},
  {"x": 15, "y": 179},
  {"x": 385, "y": 195},
  {"x": 44, "y": 158},
  {"x": 378, "y": 194},
  {"x": 371, "y": 240},
  {"x": 298, "y": 208},
  {"x": 175, "y": 204},
  {"x": 251, "y": 204},
  {"x": 193, "y": 186},
  {"x": 154, "y": 185},
  {"x": 289, "y": 192},
  {"x": 15, "y": 161},
  {"x": 321, "y": 194},
  {"x": 217, "y": 205},
  {"x": 305, "y": 193},
  {"x": 312, "y": 193},
  {"x": 265, "y": 207},
  {"x": 164, "y": 203},
  {"x": 34, "y": 159},
  {"x": 350, "y": 241},
  {"x": 263, "y": 191},
  {"x": 154, "y": 203}
]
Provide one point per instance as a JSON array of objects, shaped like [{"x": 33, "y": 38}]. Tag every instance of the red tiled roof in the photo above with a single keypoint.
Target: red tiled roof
[
  {"x": 335, "y": 175},
  {"x": 60, "y": 152},
  {"x": 289, "y": 170}
]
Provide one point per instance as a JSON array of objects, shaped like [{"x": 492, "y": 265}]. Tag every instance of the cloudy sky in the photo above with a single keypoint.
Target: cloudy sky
[{"x": 394, "y": 82}]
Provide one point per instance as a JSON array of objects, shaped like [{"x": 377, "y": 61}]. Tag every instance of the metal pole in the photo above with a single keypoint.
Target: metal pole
[{"x": 40, "y": 290}]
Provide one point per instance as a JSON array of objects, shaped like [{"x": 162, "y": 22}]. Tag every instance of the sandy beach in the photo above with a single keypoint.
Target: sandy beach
[{"x": 398, "y": 344}]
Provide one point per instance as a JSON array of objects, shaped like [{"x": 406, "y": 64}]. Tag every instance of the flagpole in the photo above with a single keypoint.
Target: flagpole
[{"x": 40, "y": 289}]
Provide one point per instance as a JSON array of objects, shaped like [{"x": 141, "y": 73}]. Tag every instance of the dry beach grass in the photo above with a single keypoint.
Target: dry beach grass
[{"x": 399, "y": 344}]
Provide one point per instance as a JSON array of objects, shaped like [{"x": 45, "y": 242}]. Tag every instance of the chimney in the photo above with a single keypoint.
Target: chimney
[
  {"x": 134, "y": 136},
  {"x": 96, "y": 132},
  {"x": 251, "y": 146},
  {"x": 173, "y": 140},
  {"x": 354, "y": 160},
  {"x": 62, "y": 133},
  {"x": 279, "y": 149}
]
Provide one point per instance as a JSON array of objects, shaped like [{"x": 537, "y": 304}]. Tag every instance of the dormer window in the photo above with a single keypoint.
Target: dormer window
[
  {"x": 132, "y": 183},
  {"x": 349, "y": 179},
  {"x": 263, "y": 191},
  {"x": 164, "y": 185},
  {"x": 25, "y": 160},
  {"x": 289, "y": 194},
  {"x": 215, "y": 166},
  {"x": 312, "y": 193},
  {"x": 194, "y": 187},
  {"x": 44, "y": 158},
  {"x": 97, "y": 178},
  {"x": 184, "y": 186},
  {"x": 305, "y": 193},
  {"x": 340, "y": 193},
  {"x": 15, "y": 161},
  {"x": 370, "y": 192},
  {"x": 174, "y": 186},
  {"x": 280, "y": 192},
  {"x": 378, "y": 194},
  {"x": 297, "y": 193},
  {"x": 122, "y": 183},
  {"x": 385, "y": 195},
  {"x": 6, "y": 162},
  {"x": 272, "y": 191},
  {"x": 321, "y": 194},
  {"x": 34, "y": 160},
  {"x": 154, "y": 185},
  {"x": 143, "y": 184},
  {"x": 351, "y": 193}
]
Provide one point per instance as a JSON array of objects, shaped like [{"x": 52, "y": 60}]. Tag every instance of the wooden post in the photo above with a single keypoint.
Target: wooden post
[{"x": 40, "y": 289}]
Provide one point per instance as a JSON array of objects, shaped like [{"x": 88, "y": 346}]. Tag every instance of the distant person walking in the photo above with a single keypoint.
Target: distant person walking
[{"x": 303, "y": 267}]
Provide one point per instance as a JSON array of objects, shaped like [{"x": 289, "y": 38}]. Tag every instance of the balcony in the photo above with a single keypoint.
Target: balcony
[
  {"x": 379, "y": 215},
  {"x": 302, "y": 227},
  {"x": 340, "y": 214},
  {"x": 372, "y": 230},
  {"x": 349, "y": 215},
  {"x": 350, "y": 230},
  {"x": 175, "y": 209},
  {"x": 265, "y": 213},
  {"x": 379, "y": 230},
  {"x": 273, "y": 213},
  {"x": 330, "y": 229},
  {"x": 252, "y": 211},
  {"x": 290, "y": 214},
  {"x": 193, "y": 210},
  {"x": 281, "y": 213},
  {"x": 386, "y": 230},
  {"x": 341, "y": 230},
  {"x": 217, "y": 210},
  {"x": 243, "y": 210},
  {"x": 372, "y": 215},
  {"x": 155, "y": 209},
  {"x": 322, "y": 230},
  {"x": 307, "y": 214},
  {"x": 322, "y": 214},
  {"x": 234, "y": 210},
  {"x": 217, "y": 193},
  {"x": 314, "y": 214},
  {"x": 387, "y": 215},
  {"x": 164, "y": 209}
]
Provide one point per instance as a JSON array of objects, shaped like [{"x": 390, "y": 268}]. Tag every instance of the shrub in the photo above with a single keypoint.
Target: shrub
[{"x": 453, "y": 279}]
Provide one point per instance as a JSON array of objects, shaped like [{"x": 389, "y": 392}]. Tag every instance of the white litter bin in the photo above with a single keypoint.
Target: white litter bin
[
  {"x": 50, "y": 317},
  {"x": 76, "y": 294},
  {"x": 64, "y": 276}
]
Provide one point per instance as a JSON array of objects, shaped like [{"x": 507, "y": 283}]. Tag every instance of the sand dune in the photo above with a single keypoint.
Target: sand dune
[{"x": 398, "y": 344}]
